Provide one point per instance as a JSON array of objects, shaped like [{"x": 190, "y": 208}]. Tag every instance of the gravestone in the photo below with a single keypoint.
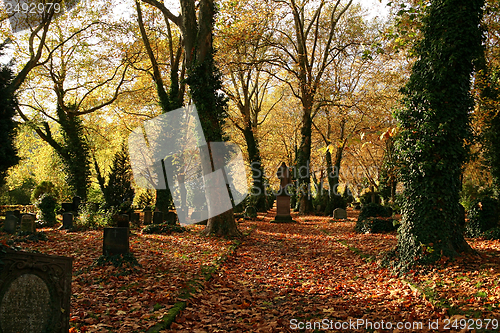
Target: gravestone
[
  {"x": 122, "y": 221},
  {"x": 35, "y": 291},
  {"x": 17, "y": 214},
  {"x": 283, "y": 199},
  {"x": 28, "y": 223},
  {"x": 10, "y": 223},
  {"x": 115, "y": 241},
  {"x": 171, "y": 218},
  {"x": 339, "y": 213},
  {"x": 158, "y": 217},
  {"x": 67, "y": 207},
  {"x": 76, "y": 203},
  {"x": 148, "y": 217},
  {"x": 135, "y": 219},
  {"x": 67, "y": 221}
]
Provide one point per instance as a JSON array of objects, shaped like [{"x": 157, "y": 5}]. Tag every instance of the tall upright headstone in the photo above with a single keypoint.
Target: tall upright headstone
[
  {"x": 35, "y": 292},
  {"x": 283, "y": 197},
  {"x": 158, "y": 217},
  {"x": 10, "y": 223},
  {"x": 77, "y": 201},
  {"x": 148, "y": 217},
  {"x": 122, "y": 221},
  {"x": 67, "y": 221}
]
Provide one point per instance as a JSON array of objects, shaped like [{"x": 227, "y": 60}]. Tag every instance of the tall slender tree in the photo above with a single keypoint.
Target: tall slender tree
[{"x": 434, "y": 128}]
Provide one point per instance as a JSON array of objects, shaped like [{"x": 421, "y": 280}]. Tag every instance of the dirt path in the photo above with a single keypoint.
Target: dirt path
[{"x": 285, "y": 275}]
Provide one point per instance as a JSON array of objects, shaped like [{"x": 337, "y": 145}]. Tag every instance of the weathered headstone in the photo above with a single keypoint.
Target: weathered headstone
[
  {"x": 35, "y": 291},
  {"x": 171, "y": 218},
  {"x": 283, "y": 199},
  {"x": 115, "y": 241},
  {"x": 10, "y": 223},
  {"x": 158, "y": 217},
  {"x": 339, "y": 213},
  {"x": 17, "y": 214},
  {"x": 67, "y": 207},
  {"x": 67, "y": 221},
  {"x": 135, "y": 219},
  {"x": 28, "y": 223},
  {"x": 148, "y": 217},
  {"x": 76, "y": 203},
  {"x": 122, "y": 221}
]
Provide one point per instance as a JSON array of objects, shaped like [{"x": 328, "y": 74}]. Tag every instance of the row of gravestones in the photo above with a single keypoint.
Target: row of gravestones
[
  {"x": 14, "y": 218},
  {"x": 35, "y": 289}
]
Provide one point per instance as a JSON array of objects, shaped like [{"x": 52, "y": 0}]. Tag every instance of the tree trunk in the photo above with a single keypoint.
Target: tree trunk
[
  {"x": 258, "y": 191},
  {"x": 303, "y": 160},
  {"x": 434, "y": 129}
]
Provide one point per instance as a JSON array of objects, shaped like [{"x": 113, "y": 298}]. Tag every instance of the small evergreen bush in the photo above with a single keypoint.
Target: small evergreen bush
[
  {"x": 375, "y": 218},
  {"x": 483, "y": 216},
  {"x": 48, "y": 206}
]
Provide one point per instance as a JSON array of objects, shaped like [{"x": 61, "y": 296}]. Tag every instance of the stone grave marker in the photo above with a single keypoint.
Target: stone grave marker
[
  {"x": 17, "y": 214},
  {"x": 35, "y": 291},
  {"x": 115, "y": 241},
  {"x": 28, "y": 223},
  {"x": 77, "y": 201},
  {"x": 148, "y": 217},
  {"x": 67, "y": 207},
  {"x": 135, "y": 219},
  {"x": 339, "y": 213},
  {"x": 171, "y": 218},
  {"x": 158, "y": 217},
  {"x": 283, "y": 199},
  {"x": 10, "y": 222},
  {"x": 122, "y": 221},
  {"x": 67, "y": 221}
]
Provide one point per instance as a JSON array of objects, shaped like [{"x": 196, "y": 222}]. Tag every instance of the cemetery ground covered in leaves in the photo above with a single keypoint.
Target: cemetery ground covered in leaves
[{"x": 311, "y": 270}]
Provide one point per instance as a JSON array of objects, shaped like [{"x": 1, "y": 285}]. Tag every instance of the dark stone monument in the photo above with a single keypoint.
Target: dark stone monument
[
  {"x": 67, "y": 221},
  {"x": 171, "y": 218},
  {"x": 67, "y": 207},
  {"x": 35, "y": 291},
  {"x": 10, "y": 223},
  {"x": 283, "y": 199},
  {"x": 122, "y": 221},
  {"x": 135, "y": 219},
  {"x": 339, "y": 213},
  {"x": 199, "y": 215},
  {"x": 158, "y": 218},
  {"x": 148, "y": 217},
  {"x": 28, "y": 223},
  {"x": 115, "y": 241},
  {"x": 76, "y": 203},
  {"x": 17, "y": 214}
]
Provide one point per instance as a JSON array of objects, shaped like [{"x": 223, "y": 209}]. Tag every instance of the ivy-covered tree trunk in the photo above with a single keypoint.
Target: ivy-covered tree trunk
[
  {"x": 258, "y": 196},
  {"x": 74, "y": 152},
  {"x": 8, "y": 153},
  {"x": 303, "y": 160},
  {"x": 434, "y": 128}
]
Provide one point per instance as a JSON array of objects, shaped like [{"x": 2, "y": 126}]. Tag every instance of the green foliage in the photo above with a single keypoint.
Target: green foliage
[
  {"x": 434, "y": 129},
  {"x": 163, "y": 228},
  {"x": 118, "y": 260},
  {"x": 119, "y": 187},
  {"x": 374, "y": 210},
  {"x": 483, "y": 216},
  {"x": 26, "y": 236},
  {"x": 48, "y": 205},
  {"x": 146, "y": 200},
  {"x": 492, "y": 234},
  {"x": 74, "y": 152},
  {"x": 43, "y": 188},
  {"x": 89, "y": 219},
  {"x": 366, "y": 198},
  {"x": 375, "y": 225},
  {"x": 471, "y": 193},
  {"x": 19, "y": 195},
  {"x": 8, "y": 102}
]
